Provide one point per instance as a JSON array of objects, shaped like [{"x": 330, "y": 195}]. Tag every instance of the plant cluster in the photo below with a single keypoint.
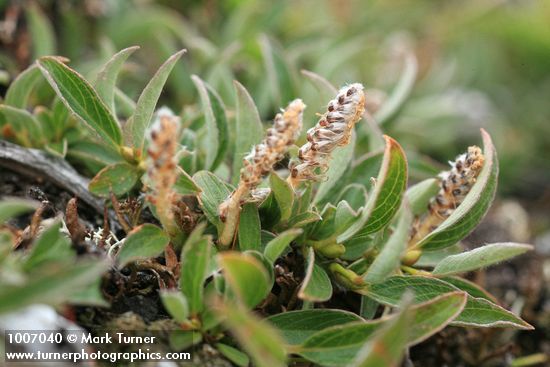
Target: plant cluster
[{"x": 277, "y": 255}]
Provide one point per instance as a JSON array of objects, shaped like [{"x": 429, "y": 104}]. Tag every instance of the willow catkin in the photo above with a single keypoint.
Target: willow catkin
[
  {"x": 333, "y": 129},
  {"x": 286, "y": 129},
  {"x": 259, "y": 162},
  {"x": 454, "y": 186},
  {"x": 162, "y": 170}
]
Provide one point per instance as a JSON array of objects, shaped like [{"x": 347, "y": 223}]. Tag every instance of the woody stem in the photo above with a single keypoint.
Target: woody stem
[{"x": 232, "y": 216}]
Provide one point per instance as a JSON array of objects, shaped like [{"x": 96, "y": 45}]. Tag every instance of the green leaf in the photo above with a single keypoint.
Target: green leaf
[
  {"x": 432, "y": 258},
  {"x": 338, "y": 344},
  {"x": 432, "y": 316},
  {"x": 136, "y": 127},
  {"x": 284, "y": 195},
  {"x": 20, "y": 89},
  {"x": 184, "y": 184},
  {"x": 357, "y": 246},
  {"x": 302, "y": 219},
  {"x": 344, "y": 217},
  {"x": 13, "y": 207},
  {"x": 385, "y": 199},
  {"x": 389, "y": 258},
  {"x": 89, "y": 295},
  {"x": 478, "y": 312},
  {"x": 81, "y": 99},
  {"x": 366, "y": 167},
  {"x": 51, "y": 287},
  {"x": 249, "y": 129},
  {"x": 234, "y": 355},
  {"x": 184, "y": 339},
  {"x": 480, "y": 258},
  {"x": 118, "y": 178},
  {"x": 94, "y": 152},
  {"x": 25, "y": 126},
  {"x": 355, "y": 195},
  {"x": 297, "y": 326},
  {"x": 216, "y": 124},
  {"x": 107, "y": 76},
  {"x": 471, "y": 288},
  {"x": 257, "y": 337},
  {"x": 143, "y": 242},
  {"x": 214, "y": 192},
  {"x": 249, "y": 228},
  {"x": 474, "y": 207},
  {"x": 387, "y": 345},
  {"x": 316, "y": 286},
  {"x": 393, "y": 105},
  {"x": 338, "y": 165},
  {"x": 52, "y": 245},
  {"x": 324, "y": 87},
  {"x": 276, "y": 246},
  {"x": 245, "y": 276},
  {"x": 175, "y": 303},
  {"x": 279, "y": 77},
  {"x": 41, "y": 31},
  {"x": 195, "y": 258},
  {"x": 126, "y": 106},
  {"x": 419, "y": 195}
]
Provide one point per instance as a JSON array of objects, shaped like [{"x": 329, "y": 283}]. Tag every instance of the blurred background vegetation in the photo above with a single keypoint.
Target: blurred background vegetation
[{"x": 458, "y": 65}]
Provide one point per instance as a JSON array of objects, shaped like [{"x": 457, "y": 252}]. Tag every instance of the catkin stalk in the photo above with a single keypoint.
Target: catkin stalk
[{"x": 258, "y": 163}]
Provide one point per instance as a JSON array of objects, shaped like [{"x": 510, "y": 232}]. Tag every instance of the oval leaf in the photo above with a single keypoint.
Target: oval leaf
[
  {"x": 387, "y": 346},
  {"x": 246, "y": 277},
  {"x": 480, "y": 258},
  {"x": 195, "y": 257},
  {"x": 117, "y": 178},
  {"x": 316, "y": 286},
  {"x": 324, "y": 87},
  {"x": 391, "y": 107},
  {"x": 279, "y": 76},
  {"x": 107, "y": 76},
  {"x": 176, "y": 304},
  {"x": 12, "y": 207},
  {"x": 25, "y": 126},
  {"x": 143, "y": 242},
  {"x": 338, "y": 345},
  {"x": 248, "y": 125},
  {"x": 53, "y": 288},
  {"x": 233, "y": 354},
  {"x": 21, "y": 88},
  {"x": 478, "y": 312},
  {"x": 80, "y": 98},
  {"x": 389, "y": 258},
  {"x": 297, "y": 326},
  {"x": 257, "y": 337},
  {"x": 284, "y": 195},
  {"x": 213, "y": 192},
  {"x": 216, "y": 123},
  {"x": 276, "y": 246},
  {"x": 474, "y": 207},
  {"x": 42, "y": 35},
  {"x": 386, "y": 197},
  {"x": 184, "y": 184},
  {"x": 249, "y": 228},
  {"x": 137, "y": 125},
  {"x": 469, "y": 287}
]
